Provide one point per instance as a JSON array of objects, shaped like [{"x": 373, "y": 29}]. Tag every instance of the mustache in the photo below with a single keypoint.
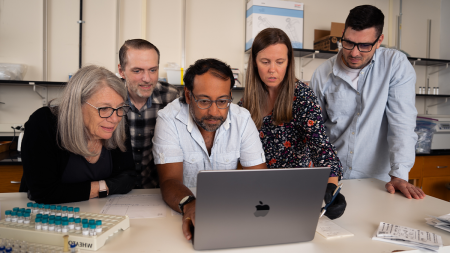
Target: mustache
[
  {"x": 212, "y": 117},
  {"x": 358, "y": 57}
]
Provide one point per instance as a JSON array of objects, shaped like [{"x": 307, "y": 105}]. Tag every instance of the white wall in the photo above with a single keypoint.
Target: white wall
[{"x": 214, "y": 28}]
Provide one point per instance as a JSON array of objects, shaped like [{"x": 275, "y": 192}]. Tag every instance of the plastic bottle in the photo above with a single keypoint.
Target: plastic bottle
[
  {"x": 77, "y": 224},
  {"x": 76, "y": 212},
  {"x": 92, "y": 228},
  {"x": 44, "y": 225},
  {"x": 65, "y": 227},
  {"x": 70, "y": 212},
  {"x": 52, "y": 210},
  {"x": 64, "y": 211},
  {"x": 38, "y": 224},
  {"x": 58, "y": 227},
  {"x": 99, "y": 228},
  {"x": 71, "y": 223},
  {"x": 85, "y": 229},
  {"x": 26, "y": 218},
  {"x": 14, "y": 217},
  {"x": 8, "y": 215},
  {"x": 58, "y": 210},
  {"x": 73, "y": 247},
  {"x": 51, "y": 225}
]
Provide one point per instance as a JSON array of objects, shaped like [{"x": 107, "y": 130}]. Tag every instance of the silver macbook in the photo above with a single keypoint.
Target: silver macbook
[{"x": 242, "y": 208}]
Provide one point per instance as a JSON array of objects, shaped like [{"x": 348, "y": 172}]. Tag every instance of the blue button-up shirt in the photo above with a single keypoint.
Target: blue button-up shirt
[
  {"x": 178, "y": 139},
  {"x": 372, "y": 127}
]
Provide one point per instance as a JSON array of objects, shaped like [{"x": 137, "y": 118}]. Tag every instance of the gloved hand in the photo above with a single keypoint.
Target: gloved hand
[
  {"x": 122, "y": 183},
  {"x": 337, "y": 208}
]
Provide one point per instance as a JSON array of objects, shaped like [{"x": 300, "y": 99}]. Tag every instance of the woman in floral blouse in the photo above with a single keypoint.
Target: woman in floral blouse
[{"x": 287, "y": 113}]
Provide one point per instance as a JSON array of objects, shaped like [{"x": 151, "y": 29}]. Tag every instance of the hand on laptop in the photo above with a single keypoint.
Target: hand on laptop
[
  {"x": 409, "y": 190},
  {"x": 337, "y": 208},
  {"x": 188, "y": 219}
]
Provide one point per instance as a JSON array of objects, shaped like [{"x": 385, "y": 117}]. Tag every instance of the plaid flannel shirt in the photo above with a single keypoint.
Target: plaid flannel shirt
[{"x": 141, "y": 124}]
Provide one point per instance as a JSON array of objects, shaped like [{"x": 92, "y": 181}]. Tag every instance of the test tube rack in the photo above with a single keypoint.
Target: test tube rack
[{"x": 26, "y": 232}]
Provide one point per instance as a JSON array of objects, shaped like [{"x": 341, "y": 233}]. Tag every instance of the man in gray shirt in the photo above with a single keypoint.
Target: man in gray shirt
[{"x": 367, "y": 95}]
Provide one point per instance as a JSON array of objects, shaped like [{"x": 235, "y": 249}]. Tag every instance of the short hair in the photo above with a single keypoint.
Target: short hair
[
  {"x": 217, "y": 68},
  {"x": 365, "y": 16},
  {"x": 135, "y": 44},
  {"x": 72, "y": 132},
  {"x": 255, "y": 93}
]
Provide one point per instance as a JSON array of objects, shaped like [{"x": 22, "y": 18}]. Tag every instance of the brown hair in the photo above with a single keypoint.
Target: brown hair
[
  {"x": 256, "y": 93},
  {"x": 135, "y": 44}
]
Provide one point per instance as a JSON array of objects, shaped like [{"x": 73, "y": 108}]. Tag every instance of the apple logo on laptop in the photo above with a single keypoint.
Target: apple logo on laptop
[{"x": 262, "y": 210}]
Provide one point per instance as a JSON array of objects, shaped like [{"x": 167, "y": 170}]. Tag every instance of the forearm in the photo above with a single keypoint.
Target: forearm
[
  {"x": 173, "y": 191},
  {"x": 333, "y": 180}
]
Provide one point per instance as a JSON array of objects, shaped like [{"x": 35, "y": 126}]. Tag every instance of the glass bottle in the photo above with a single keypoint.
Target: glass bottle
[
  {"x": 35, "y": 208},
  {"x": 76, "y": 212},
  {"x": 71, "y": 223},
  {"x": 14, "y": 217},
  {"x": 70, "y": 212},
  {"x": 52, "y": 210},
  {"x": 46, "y": 209},
  {"x": 51, "y": 225},
  {"x": 8, "y": 215},
  {"x": 78, "y": 224},
  {"x": 27, "y": 218},
  {"x": 92, "y": 230},
  {"x": 65, "y": 227},
  {"x": 58, "y": 227},
  {"x": 64, "y": 211},
  {"x": 44, "y": 225},
  {"x": 85, "y": 229},
  {"x": 98, "y": 229},
  {"x": 37, "y": 224},
  {"x": 58, "y": 210}
]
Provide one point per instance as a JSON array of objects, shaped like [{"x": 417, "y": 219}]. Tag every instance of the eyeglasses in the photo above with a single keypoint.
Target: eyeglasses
[
  {"x": 362, "y": 47},
  {"x": 106, "y": 112},
  {"x": 206, "y": 103}
]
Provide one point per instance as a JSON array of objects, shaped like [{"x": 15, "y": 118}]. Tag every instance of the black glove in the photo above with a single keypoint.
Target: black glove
[
  {"x": 337, "y": 208},
  {"x": 122, "y": 183}
]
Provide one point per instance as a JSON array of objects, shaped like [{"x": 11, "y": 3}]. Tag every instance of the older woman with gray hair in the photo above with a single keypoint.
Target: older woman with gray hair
[{"x": 78, "y": 149}]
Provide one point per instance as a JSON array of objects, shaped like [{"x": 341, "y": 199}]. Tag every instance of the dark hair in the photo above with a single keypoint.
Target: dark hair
[
  {"x": 255, "y": 94},
  {"x": 365, "y": 16},
  {"x": 135, "y": 44},
  {"x": 217, "y": 68}
]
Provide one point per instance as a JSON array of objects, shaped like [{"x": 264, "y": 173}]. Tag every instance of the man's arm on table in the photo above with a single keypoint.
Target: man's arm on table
[
  {"x": 401, "y": 115},
  {"x": 173, "y": 191}
]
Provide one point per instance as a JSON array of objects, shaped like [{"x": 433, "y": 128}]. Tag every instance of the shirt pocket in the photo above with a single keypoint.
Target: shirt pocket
[
  {"x": 340, "y": 104},
  {"x": 227, "y": 161},
  {"x": 192, "y": 164}
]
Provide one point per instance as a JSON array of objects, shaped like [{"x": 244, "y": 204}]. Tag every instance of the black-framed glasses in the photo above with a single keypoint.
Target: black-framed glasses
[
  {"x": 206, "y": 103},
  {"x": 106, "y": 112},
  {"x": 362, "y": 47}
]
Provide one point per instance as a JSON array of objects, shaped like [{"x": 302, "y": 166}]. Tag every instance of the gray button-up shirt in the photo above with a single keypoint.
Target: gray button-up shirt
[
  {"x": 372, "y": 127},
  {"x": 178, "y": 139}
]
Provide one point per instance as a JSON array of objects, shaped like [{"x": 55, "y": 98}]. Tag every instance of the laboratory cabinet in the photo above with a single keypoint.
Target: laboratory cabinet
[
  {"x": 432, "y": 174},
  {"x": 10, "y": 177}
]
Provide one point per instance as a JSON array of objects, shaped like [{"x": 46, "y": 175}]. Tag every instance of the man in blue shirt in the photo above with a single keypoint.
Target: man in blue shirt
[
  {"x": 202, "y": 130},
  {"x": 367, "y": 95}
]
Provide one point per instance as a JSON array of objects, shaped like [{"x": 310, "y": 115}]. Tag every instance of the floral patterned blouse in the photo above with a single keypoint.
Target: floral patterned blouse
[{"x": 303, "y": 141}]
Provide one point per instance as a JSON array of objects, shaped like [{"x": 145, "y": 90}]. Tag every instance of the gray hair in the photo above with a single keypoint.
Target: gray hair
[{"x": 73, "y": 134}]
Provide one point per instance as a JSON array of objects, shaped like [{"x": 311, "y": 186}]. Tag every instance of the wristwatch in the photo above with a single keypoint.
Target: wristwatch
[
  {"x": 184, "y": 201},
  {"x": 102, "y": 193}
]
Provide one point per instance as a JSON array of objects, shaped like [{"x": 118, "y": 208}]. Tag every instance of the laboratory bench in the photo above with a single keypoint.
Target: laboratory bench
[{"x": 368, "y": 204}]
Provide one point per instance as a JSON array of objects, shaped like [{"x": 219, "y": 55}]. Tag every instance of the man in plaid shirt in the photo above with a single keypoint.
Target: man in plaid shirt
[{"x": 139, "y": 66}]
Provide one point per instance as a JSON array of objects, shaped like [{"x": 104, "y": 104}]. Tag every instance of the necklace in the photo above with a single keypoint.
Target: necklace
[{"x": 95, "y": 148}]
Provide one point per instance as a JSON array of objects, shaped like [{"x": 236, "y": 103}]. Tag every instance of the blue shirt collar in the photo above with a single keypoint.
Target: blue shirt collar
[{"x": 149, "y": 102}]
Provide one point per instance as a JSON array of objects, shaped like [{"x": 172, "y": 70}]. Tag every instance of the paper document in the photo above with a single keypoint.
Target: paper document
[
  {"x": 330, "y": 230},
  {"x": 136, "y": 206},
  {"x": 408, "y": 237},
  {"x": 442, "y": 222}
]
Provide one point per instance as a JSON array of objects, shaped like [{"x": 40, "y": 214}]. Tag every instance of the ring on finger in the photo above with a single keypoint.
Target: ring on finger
[{"x": 188, "y": 218}]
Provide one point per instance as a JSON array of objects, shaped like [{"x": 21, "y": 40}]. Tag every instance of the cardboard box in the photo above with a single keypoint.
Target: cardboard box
[
  {"x": 288, "y": 16},
  {"x": 327, "y": 40}
]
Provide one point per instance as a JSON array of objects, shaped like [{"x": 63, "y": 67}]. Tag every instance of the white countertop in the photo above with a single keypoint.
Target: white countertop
[{"x": 368, "y": 204}]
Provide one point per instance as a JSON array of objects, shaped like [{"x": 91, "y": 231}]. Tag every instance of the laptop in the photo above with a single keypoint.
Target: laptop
[{"x": 243, "y": 208}]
